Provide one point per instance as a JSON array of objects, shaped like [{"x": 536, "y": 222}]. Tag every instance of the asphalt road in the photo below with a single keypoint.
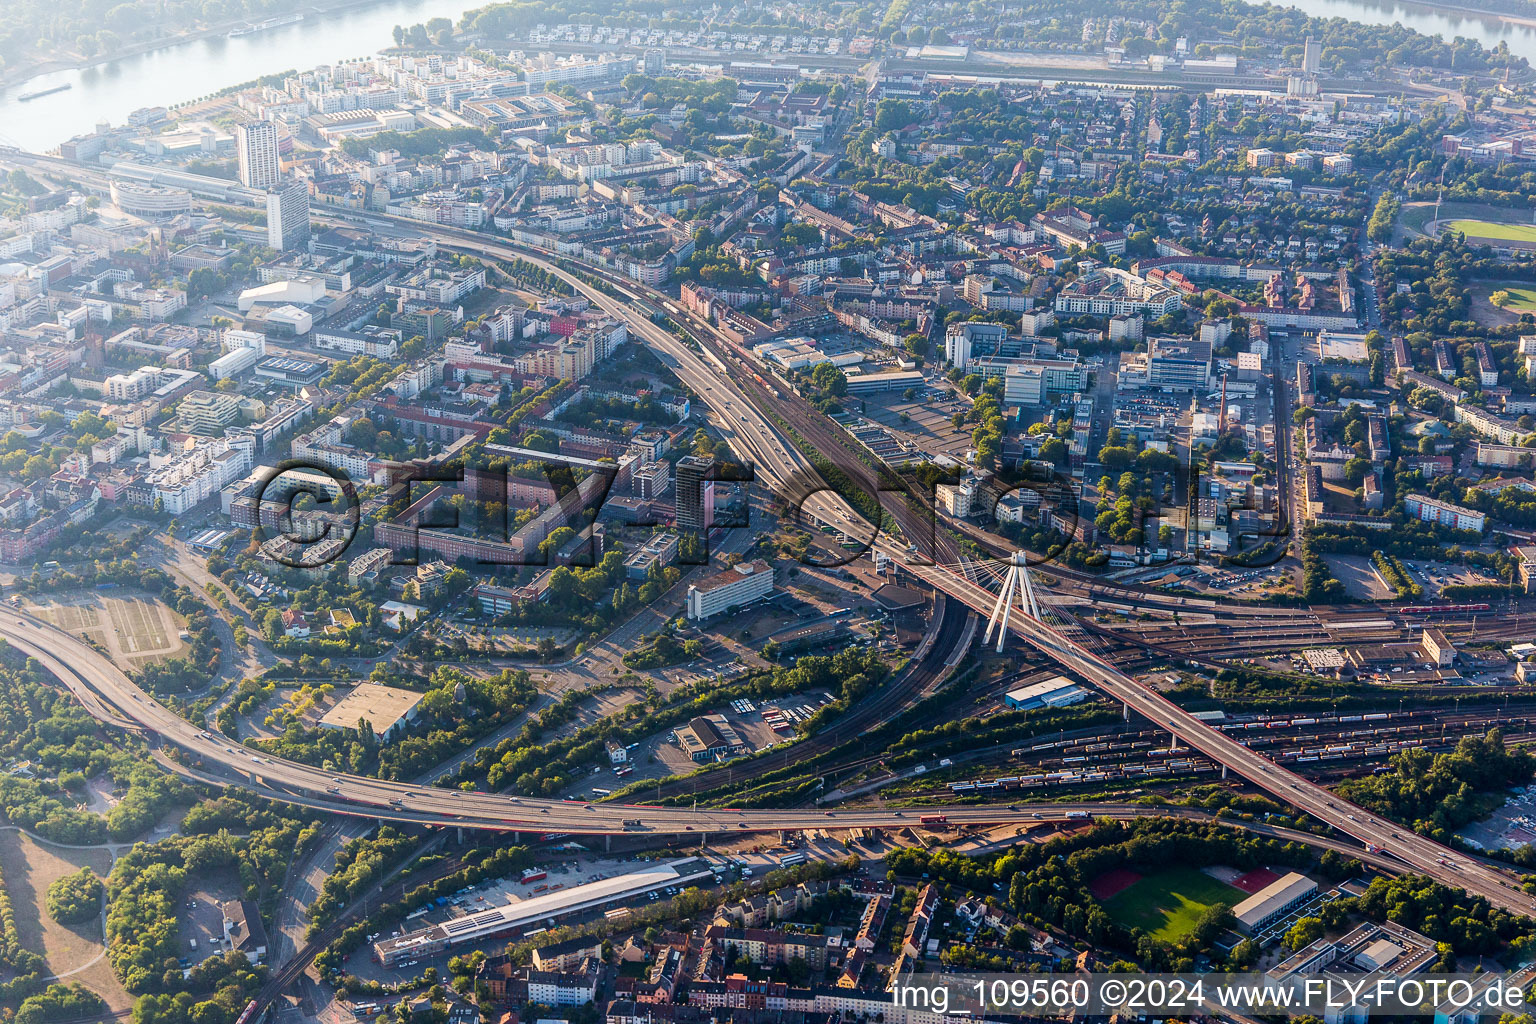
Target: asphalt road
[{"x": 784, "y": 465}]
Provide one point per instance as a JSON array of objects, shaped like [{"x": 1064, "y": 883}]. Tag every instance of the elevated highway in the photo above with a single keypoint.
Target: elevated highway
[
  {"x": 748, "y": 428},
  {"x": 1415, "y": 852},
  {"x": 222, "y": 764},
  {"x": 782, "y": 463}
]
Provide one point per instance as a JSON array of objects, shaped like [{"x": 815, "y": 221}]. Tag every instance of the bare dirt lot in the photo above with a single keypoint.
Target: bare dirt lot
[
  {"x": 75, "y": 952},
  {"x": 134, "y": 629}
]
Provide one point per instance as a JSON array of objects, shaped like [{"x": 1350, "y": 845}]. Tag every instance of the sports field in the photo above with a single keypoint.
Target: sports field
[
  {"x": 1167, "y": 905},
  {"x": 1490, "y": 229}
]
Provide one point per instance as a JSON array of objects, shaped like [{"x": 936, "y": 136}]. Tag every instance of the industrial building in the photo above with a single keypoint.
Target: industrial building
[
  {"x": 1055, "y": 692},
  {"x": 710, "y": 738},
  {"x": 540, "y": 911}
]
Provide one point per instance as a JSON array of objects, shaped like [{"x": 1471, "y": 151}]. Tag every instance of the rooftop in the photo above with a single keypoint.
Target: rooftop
[{"x": 382, "y": 707}]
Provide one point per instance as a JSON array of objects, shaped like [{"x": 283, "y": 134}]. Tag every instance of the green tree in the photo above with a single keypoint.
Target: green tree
[{"x": 1304, "y": 932}]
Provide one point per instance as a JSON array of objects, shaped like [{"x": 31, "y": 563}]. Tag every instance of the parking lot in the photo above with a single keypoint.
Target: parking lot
[{"x": 1436, "y": 576}]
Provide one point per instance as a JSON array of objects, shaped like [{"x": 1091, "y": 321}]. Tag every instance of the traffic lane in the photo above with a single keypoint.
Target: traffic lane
[
  {"x": 1429, "y": 857},
  {"x": 439, "y": 805}
]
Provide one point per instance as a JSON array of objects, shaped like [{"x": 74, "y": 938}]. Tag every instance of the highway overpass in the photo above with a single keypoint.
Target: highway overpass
[{"x": 751, "y": 433}]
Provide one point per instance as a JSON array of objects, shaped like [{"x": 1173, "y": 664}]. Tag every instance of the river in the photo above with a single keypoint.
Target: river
[
  {"x": 185, "y": 71},
  {"x": 1431, "y": 21}
]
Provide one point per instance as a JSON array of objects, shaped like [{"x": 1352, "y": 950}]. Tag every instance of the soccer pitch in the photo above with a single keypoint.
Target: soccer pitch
[
  {"x": 1167, "y": 905},
  {"x": 1489, "y": 229}
]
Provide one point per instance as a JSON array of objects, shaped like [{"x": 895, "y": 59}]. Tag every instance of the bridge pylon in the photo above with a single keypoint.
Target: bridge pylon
[{"x": 1015, "y": 583}]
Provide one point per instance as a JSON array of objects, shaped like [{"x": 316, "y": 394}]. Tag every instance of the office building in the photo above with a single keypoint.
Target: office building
[
  {"x": 288, "y": 215},
  {"x": 735, "y": 588},
  {"x": 695, "y": 493},
  {"x": 1179, "y": 365},
  {"x": 256, "y": 153},
  {"x": 208, "y": 412}
]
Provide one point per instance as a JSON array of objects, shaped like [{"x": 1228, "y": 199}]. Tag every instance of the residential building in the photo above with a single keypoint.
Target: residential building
[
  {"x": 288, "y": 215},
  {"x": 256, "y": 155},
  {"x": 1430, "y": 510}
]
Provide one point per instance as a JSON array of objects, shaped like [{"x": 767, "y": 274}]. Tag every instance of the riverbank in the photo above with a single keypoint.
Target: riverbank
[{"x": 16, "y": 77}]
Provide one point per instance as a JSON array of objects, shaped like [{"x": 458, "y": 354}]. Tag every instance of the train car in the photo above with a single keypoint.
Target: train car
[{"x": 247, "y": 1013}]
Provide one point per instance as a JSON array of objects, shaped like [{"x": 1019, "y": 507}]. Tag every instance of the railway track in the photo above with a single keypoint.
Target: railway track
[{"x": 874, "y": 710}]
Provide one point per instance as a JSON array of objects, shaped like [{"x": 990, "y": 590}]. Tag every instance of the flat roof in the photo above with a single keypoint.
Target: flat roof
[
  {"x": 895, "y": 598},
  {"x": 1041, "y": 690},
  {"x": 735, "y": 574},
  {"x": 1281, "y": 892},
  {"x": 481, "y": 924},
  {"x": 382, "y": 706}
]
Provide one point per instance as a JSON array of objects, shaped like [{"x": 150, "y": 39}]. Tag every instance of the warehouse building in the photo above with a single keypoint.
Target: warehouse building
[
  {"x": 1055, "y": 692},
  {"x": 538, "y": 912}
]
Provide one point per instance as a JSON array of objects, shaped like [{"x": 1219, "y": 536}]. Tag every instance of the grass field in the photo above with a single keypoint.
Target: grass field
[
  {"x": 1493, "y": 229},
  {"x": 1167, "y": 905},
  {"x": 1522, "y": 298},
  {"x": 73, "y": 950}
]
